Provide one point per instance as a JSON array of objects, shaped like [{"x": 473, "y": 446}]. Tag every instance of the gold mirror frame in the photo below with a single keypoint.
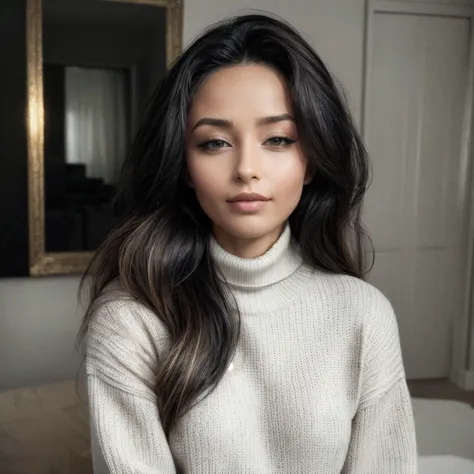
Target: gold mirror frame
[{"x": 40, "y": 261}]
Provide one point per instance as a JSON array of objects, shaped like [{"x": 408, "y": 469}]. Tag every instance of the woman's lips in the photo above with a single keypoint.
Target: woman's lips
[
  {"x": 248, "y": 206},
  {"x": 248, "y": 197},
  {"x": 248, "y": 202}
]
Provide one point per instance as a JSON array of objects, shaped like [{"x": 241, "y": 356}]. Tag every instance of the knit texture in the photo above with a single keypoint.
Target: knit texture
[{"x": 317, "y": 384}]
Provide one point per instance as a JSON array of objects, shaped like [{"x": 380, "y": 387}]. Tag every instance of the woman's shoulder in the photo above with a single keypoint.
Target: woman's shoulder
[
  {"x": 116, "y": 311},
  {"x": 364, "y": 311},
  {"x": 356, "y": 298},
  {"x": 355, "y": 288},
  {"x": 121, "y": 326},
  {"x": 125, "y": 341}
]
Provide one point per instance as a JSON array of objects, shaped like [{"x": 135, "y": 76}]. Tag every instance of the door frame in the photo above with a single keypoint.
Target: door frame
[{"x": 462, "y": 340}]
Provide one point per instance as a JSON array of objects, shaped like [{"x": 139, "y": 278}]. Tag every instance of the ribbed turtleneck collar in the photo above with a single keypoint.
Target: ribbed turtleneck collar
[{"x": 278, "y": 263}]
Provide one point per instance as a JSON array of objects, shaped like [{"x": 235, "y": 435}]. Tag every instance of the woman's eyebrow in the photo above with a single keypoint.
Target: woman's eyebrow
[
  {"x": 223, "y": 123},
  {"x": 215, "y": 122},
  {"x": 275, "y": 119}
]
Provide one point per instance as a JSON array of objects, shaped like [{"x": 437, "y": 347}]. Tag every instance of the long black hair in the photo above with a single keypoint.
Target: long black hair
[{"x": 160, "y": 253}]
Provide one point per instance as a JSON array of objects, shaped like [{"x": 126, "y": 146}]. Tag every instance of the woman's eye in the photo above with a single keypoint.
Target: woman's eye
[
  {"x": 280, "y": 141},
  {"x": 213, "y": 145}
]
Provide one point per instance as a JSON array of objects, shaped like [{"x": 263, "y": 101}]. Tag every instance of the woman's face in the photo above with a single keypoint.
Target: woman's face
[{"x": 243, "y": 155}]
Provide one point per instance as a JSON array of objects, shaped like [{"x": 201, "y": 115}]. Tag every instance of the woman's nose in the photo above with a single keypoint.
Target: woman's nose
[{"x": 248, "y": 166}]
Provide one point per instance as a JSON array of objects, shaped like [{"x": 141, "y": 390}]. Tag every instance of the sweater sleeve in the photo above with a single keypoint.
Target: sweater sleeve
[
  {"x": 121, "y": 362},
  {"x": 383, "y": 436},
  {"x": 383, "y": 433}
]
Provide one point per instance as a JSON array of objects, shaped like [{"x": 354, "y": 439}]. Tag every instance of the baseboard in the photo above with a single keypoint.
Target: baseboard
[{"x": 464, "y": 379}]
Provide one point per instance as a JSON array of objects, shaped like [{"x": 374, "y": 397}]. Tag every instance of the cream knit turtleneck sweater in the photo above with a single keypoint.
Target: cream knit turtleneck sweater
[{"x": 316, "y": 386}]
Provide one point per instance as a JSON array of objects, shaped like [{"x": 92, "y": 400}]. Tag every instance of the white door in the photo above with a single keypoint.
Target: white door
[{"x": 415, "y": 211}]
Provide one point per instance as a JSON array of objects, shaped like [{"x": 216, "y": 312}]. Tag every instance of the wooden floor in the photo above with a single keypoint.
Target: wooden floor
[{"x": 440, "y": 389}]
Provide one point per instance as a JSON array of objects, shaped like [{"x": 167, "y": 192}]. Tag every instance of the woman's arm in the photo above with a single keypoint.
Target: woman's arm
[
  {"x": 126, "y": 434},
  {"x": 383, "y": 433},
  {"x": 121, "y": 365},
  {"x": 383, "y": 436}
]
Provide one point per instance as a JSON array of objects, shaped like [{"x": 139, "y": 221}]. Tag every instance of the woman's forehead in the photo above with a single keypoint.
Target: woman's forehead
[{"x": 252, "y": 89}]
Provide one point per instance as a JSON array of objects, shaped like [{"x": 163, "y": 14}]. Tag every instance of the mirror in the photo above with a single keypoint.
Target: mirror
[{"x": 91, "y": 67}]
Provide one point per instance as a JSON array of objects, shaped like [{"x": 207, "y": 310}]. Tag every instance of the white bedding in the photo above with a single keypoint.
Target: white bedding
[
  {"x": 445, "y": 435},
  {"x": 445, "y": 465}
]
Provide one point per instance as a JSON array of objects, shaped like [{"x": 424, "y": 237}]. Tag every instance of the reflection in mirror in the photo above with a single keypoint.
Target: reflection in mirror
[{"x": 101, "y": 60}]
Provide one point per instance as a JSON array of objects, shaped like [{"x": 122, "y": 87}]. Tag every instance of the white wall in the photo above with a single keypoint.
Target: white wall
[
  {"x": 335, "y": 29},
  {"x": 39, "y": 318}
]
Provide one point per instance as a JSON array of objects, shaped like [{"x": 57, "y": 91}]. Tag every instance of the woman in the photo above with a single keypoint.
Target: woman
[{"x": 230, "y": 330}]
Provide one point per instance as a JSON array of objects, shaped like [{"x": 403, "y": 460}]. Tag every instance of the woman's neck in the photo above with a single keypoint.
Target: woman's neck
[
  {"x": 276, "y": 264},
  {"x": 247, "y": 248}
]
